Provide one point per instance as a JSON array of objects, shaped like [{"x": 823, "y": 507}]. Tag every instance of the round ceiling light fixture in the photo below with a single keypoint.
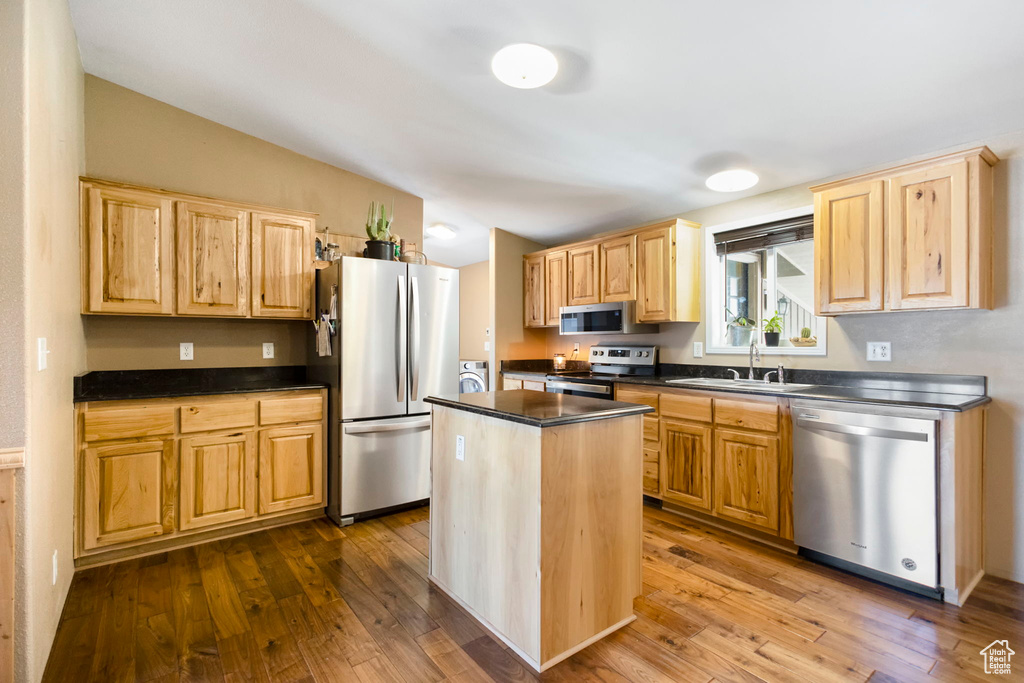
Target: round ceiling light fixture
[
  {"x": 440, "y": 231},
  {"x": 524, "y": 65},
  {"x": 733, "y": 180}
]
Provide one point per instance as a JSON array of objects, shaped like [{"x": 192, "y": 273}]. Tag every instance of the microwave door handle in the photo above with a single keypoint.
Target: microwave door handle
[
  {"x": 414, "y": 355},
  {"x": 400, "y": 353}
]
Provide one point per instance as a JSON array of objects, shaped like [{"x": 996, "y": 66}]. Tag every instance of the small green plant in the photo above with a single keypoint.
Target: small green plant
[
  {"x": 378, "y": 224},
  {"x": 773, "y": 324},
  {"x": 805, "y": 333},
  {"x": 739, "y": 321}
]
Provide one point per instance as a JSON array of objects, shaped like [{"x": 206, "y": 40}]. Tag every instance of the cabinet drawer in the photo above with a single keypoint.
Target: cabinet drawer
[
  {"x": 210, "y": 417},
  {"x": 124, "y": 423},
  {"x": 638, "y": 396},
  {"x": 534, "y": 386},
  {"x": 299, "y": 409},
  {"x": 511, "y": 384},
  {"x": 747, "y": 414},
  {"x": 650, "y": 428},
  {"x": 686, "y": 407},
  {"x": 652, "y": 482}
]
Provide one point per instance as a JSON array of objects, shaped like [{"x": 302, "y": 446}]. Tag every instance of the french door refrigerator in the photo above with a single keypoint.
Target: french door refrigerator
[{"x": 396, "y": 342}]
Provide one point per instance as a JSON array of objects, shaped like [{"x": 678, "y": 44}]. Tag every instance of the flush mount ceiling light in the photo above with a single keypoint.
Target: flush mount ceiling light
[
  {"x": 733, "y": 180},
  {"x": 440, "y": 231},
  {"x": 524, "y": 65}
]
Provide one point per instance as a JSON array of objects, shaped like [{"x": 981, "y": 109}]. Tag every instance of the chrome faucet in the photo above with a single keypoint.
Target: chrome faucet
[
  {"x": 754, "y": 355},
  {"x": 780, "y": 374}
]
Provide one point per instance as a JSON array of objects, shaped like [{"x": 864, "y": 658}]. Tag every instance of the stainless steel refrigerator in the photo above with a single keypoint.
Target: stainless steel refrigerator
[{"x": 396, "y": 342}]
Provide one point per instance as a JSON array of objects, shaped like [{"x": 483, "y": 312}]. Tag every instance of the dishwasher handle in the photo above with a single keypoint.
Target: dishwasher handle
[{"x": 811, "y": 422}]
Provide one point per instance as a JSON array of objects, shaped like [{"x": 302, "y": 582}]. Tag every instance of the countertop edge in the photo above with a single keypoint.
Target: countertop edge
[
  {"x": 142, "y": 396},
  {"x": 540, "y": 422}
]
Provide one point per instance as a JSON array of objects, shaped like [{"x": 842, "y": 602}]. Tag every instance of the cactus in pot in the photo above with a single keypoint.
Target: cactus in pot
[{"x": 805, "y": 333}]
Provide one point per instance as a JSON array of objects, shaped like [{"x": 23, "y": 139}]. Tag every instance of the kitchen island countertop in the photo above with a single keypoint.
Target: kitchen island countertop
[{"x": 538, "y": 408}]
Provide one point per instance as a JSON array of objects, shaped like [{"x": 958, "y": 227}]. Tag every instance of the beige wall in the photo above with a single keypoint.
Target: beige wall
[
  {"x": 55, "y": 153},
  {"x": 135, "y": 139},
  {"x": 510, "y": 339},
  {"x": 474, "y": 310},
  {"x": 963, "y": 342}
]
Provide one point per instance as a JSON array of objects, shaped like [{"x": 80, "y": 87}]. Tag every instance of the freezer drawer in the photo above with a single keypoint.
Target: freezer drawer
[
  {"x": 384, "y": 463},
  {"x": 864, "y": 490}
]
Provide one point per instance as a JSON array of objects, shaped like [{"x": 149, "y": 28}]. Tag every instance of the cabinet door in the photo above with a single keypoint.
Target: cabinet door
[
  {"x": 213, "y": 259},
  {"x": 533, "y": 291},
  {"x": 686, "y": 463},
  {"x": 291, "y": 468},
  {"x": 655, "y": 275},
  {"x": 652, "y": 466},
  {"x": 218, "y": 479},
  {"x": 929, "y": 249},
  {"x": 747, "y": 478},
  {"x": 128, "y": 492},
  {"x": 618, "y": 269},
  {"x": 556, "y": 282},
  {"x": 130, "y": 252},
  {"x": 582, "y": 275},
  {"x": 849, "y": 223},
  {"x": 282, "y": 266},
  {"x": 511, "y": 384}
]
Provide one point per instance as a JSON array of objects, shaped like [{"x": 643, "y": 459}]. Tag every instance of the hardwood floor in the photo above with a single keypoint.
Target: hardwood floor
[{"x": 310, "y": 602}]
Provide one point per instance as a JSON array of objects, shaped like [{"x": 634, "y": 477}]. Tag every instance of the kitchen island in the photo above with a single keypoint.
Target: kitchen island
[{"x": 535, "y": 520}]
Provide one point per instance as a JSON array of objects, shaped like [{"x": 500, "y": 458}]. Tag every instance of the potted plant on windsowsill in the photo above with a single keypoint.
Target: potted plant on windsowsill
[
  {"x": 378, "y": 229},
  {"x": 739, "y": 331},
  {"x": 772, "y": 329},
  {"x": 805, "y": 338}
]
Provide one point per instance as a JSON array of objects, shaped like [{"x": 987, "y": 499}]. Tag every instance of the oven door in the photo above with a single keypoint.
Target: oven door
[{"x": 588, "y": 389}]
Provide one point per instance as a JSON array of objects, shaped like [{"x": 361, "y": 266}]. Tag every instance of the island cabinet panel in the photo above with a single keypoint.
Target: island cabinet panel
[
  {"x": 213, "y": 259},
  {"x": 556, "y": 286},
  {"x": 533, "y": 291},
  {"x": 282, "y": 262},
  {"x": 291, "y": 469},
  {"x": 582, "y": 274},
  {"x": 747, "y": 481},
  {"x": 686, "y": 463},
  {"x": 127, "y": 251},
  {"x": 128, "y": 492},
  {"x": 618, "y": 268},
  {"x": 218, "y": 479}
]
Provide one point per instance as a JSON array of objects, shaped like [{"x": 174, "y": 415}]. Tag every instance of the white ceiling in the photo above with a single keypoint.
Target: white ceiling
[{"x": 651, "y": 97}]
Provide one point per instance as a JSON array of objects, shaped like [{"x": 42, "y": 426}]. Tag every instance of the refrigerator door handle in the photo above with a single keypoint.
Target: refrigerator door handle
[
  {"x": 400, "y": 353},
  {"x": 376, "y": 429},
  {"x": 414, "y": 355}
]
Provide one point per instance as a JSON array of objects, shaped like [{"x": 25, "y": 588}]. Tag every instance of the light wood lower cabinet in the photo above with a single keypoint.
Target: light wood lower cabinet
[
  {"x": 159, "y": 471},
  {"x": 686, "y": 463},
  {"x": 747, "y": 481}
]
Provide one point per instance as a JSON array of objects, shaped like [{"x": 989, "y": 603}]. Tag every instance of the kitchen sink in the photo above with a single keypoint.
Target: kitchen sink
[{"x": 744, "y": 384}]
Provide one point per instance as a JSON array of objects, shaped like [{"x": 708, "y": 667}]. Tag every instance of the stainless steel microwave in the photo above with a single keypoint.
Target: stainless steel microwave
[{"x": 617, "y": 317}]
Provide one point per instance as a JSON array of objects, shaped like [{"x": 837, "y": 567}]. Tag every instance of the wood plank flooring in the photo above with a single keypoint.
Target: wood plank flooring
[{"x": 311, "y": 602}]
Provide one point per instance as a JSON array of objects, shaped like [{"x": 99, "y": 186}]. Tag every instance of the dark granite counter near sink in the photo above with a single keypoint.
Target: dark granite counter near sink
[
  {"x": 537, "y": 408},
  {"x": 119, "y": 385}
]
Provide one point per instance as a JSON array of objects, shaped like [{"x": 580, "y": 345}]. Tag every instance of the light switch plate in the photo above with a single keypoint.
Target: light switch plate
[
  {"x": 460, "y": 447},
  {"x": 880, "y": 351},
  {"x": 41, "y": 353},
  {"x": 698, "y": 349},
  {"x": 53, "y": 579},
  {"x": 487, "y": 346},
  {"x": 185, "y": 349},
  {"x": 268, "y": 349}
]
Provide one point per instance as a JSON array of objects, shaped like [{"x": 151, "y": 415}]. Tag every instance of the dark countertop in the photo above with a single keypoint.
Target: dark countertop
[
  {"x": 538, "y": 408},
  {"x": 120, "y": 385}
]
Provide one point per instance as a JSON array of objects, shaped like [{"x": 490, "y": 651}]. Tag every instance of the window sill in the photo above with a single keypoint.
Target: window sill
[{"x": 767, "y": 350}]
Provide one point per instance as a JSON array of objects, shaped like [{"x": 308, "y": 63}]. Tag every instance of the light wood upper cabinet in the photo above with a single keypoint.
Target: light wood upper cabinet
[
  {"x": 218, "y": 479},
  {"x": 929, "y": 221},
  {"x": 848, "y": 247},
  {"x": 533, "y": 291},
  {"x": 747, "y": 477},
  {"x": 127, "y": 251},
  {"x": 686, "y": 463},
  {"x": 556, "y": 282},
  {"x": 582, "y": 275},
  {"x": 213, "y": 259},
  {"x": 282, "y": 262},
  {"x": 291, "y": 468},
  {"x": 128, "y": 492},
  {"x": 668, "y": 273},
  {"x": 618, "y": 268}
]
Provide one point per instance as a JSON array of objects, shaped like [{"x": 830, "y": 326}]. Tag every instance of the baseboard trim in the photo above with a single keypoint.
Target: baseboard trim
[{"x": 12, "y": 458}]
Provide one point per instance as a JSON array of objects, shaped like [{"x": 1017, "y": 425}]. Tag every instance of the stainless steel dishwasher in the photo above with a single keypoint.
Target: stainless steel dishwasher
[{"x": 864, "y": 491}]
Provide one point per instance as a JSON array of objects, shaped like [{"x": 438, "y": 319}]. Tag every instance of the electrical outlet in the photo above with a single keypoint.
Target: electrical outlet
[
  {"x": 487, "y": 332},
  {"x": 880, "y": 351},
  {"x": 698, "y": 349},
  {"x": 576, "y": 347},
  {"x": 53, "y": 581},
  {"x": 185, "y": 349},
  {"x": 268, "y": 349},
  {"x": 460, "y": 447},
  {"x": 41, "y": 353}
]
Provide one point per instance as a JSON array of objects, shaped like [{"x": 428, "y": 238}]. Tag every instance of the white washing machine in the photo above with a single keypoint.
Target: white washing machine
[{"x": 472, "y": 376}]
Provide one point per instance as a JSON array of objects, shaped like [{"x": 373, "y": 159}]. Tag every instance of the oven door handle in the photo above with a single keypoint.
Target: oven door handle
[{"x": 574, "y": 386}]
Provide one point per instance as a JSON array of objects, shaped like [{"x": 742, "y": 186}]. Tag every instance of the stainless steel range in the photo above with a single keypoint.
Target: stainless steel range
[{"x": 607, "y": 362}]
